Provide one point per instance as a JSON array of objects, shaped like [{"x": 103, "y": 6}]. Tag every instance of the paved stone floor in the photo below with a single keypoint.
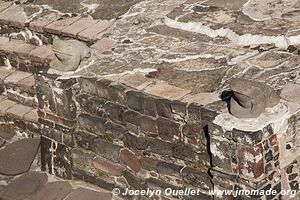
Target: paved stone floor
[{"x": 22, "y": 179}]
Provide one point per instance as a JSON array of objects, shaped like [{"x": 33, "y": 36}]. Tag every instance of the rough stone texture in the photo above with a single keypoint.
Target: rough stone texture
[
  {"x": 24, "y": 186},
  {"x": 82, "y": 193},
  {"x": 16, "y": 158}
]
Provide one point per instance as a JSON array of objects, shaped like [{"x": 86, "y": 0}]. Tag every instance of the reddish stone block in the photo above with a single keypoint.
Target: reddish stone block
[
  {"x": 57, "y": 26},
  {"x": 18, "y": 111},
  {"x": 41, "y": 54},
  {"x": 149, "y": 164},
  {"x": 91, "y": 32},
  {"x": 103, "y": 45},
  {"x": 27, "y": 84},
  {"x": 273, "y": 139},
  {"x": 250, "y": 160},
  {"x": 32, "y": 116},
  {"x": 107, "y": 166},
  {"x": 130, "y": 159},
  {"x": 167, "y": 91},
  {"x": 5, "y": 104},
  {"x": 14, "y": 16},
  {"x": 78, "y": 26},
  {"x": 39, "y": 24},
  {"x": 15, "y": 77},
  {"x": 17, "y": 46},
  {"x": 4, "y": 72}
]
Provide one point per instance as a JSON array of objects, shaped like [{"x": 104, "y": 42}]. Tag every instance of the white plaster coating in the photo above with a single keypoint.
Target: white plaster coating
[
  {"x": 280, "y": 41},
  {"x": 275, "y": 115}
]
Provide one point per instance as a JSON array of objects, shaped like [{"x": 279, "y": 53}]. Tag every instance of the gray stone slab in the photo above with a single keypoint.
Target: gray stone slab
[
  {"x": 24, "y": 186},
  {"x": 17, "y": 157},
  {"x": 83, "y": 194},
  {"x": 53, "y": 191},
  {"x": 6, "y": 132}
]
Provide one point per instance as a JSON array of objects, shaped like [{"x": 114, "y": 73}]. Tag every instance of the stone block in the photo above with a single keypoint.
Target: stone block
[
  {"x": 167, "y": 129},
  {"x": 107, "y": 166},
  {"x": 5, "y": 105},
  {"x": 103, "y": 45},
  {"x": 18, "y": 111},
  {"x": 92, "y": 105},
  {"x": 134, "y": 181},
  {"x": 76, "y": 27},
  {"x": 167, "y": 91},
  {"x": 161, "y": 147},
  {"x": 15, "y": 77},
  {"x": 247, "y": 137},
  {"x": 88, "y": 85},
  {"x": 197, "y": 178},
  {"x": 14, "y": 16},
  {"x": 41, "y": 54},
  {"x": 184, "y": 152},
  {"x": 85, "y": 140},
  {"x": 39, "y": 24},
  {"x": 135, "y": 101},
  {"x": 250, "y": 160},
  {"x": 91, "y": 123},
  {"x": 108, "y": 150},
  {"x": 194, "y": 113},
  {"x": 136, "y": 81},
  {"x": 58, "y": 25},
  {"x": 148, "y": 125},
  {"x": 27, "y": 84},
  {"x": 130, "y": 159},
  {"x": 169, "y": 169},
  {"x": 4, "y": 72},
  {"x": 90, "y": 33},
  {"x": 222, "y": 152},
  {"x": 114, "y": 112},
  {"x": 149, "y": 164}
]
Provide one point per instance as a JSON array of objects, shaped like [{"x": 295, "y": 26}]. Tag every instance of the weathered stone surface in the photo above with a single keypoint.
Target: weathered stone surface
[
  {"x": 107, "y": 166},
  {"x": 76, "y": 27},
  {"x": 91, "y": 123},
  {"x": 24, "y": 186},
  {"x": 251, "y": 98},
  {"x": 53, "y": 190},
  {"x": 167, "y": 129},
  {"x": 167, "y": 91},
  {"x": 251, "y": 160},
  {"x": 169, "y": 169},
  {"x": 291, "y": 93},
  {"x": 83, "y": 193},
  {"x": 130, "y": 159},
  {"x": 197, "y": 178},
  {"x": 16, "y": 158},
  {"x": 161, "y": 147},
  {"x": 107, "y": 150},
  {"x": 68, "y": 54}
]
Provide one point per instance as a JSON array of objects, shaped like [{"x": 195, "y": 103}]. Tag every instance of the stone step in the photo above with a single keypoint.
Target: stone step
[
  {"x": 23, "y": 56},
  {"x": 41, "y": 26},
  {"x": 18, "y": 86},
  {"x": 13, "y": 110}
]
